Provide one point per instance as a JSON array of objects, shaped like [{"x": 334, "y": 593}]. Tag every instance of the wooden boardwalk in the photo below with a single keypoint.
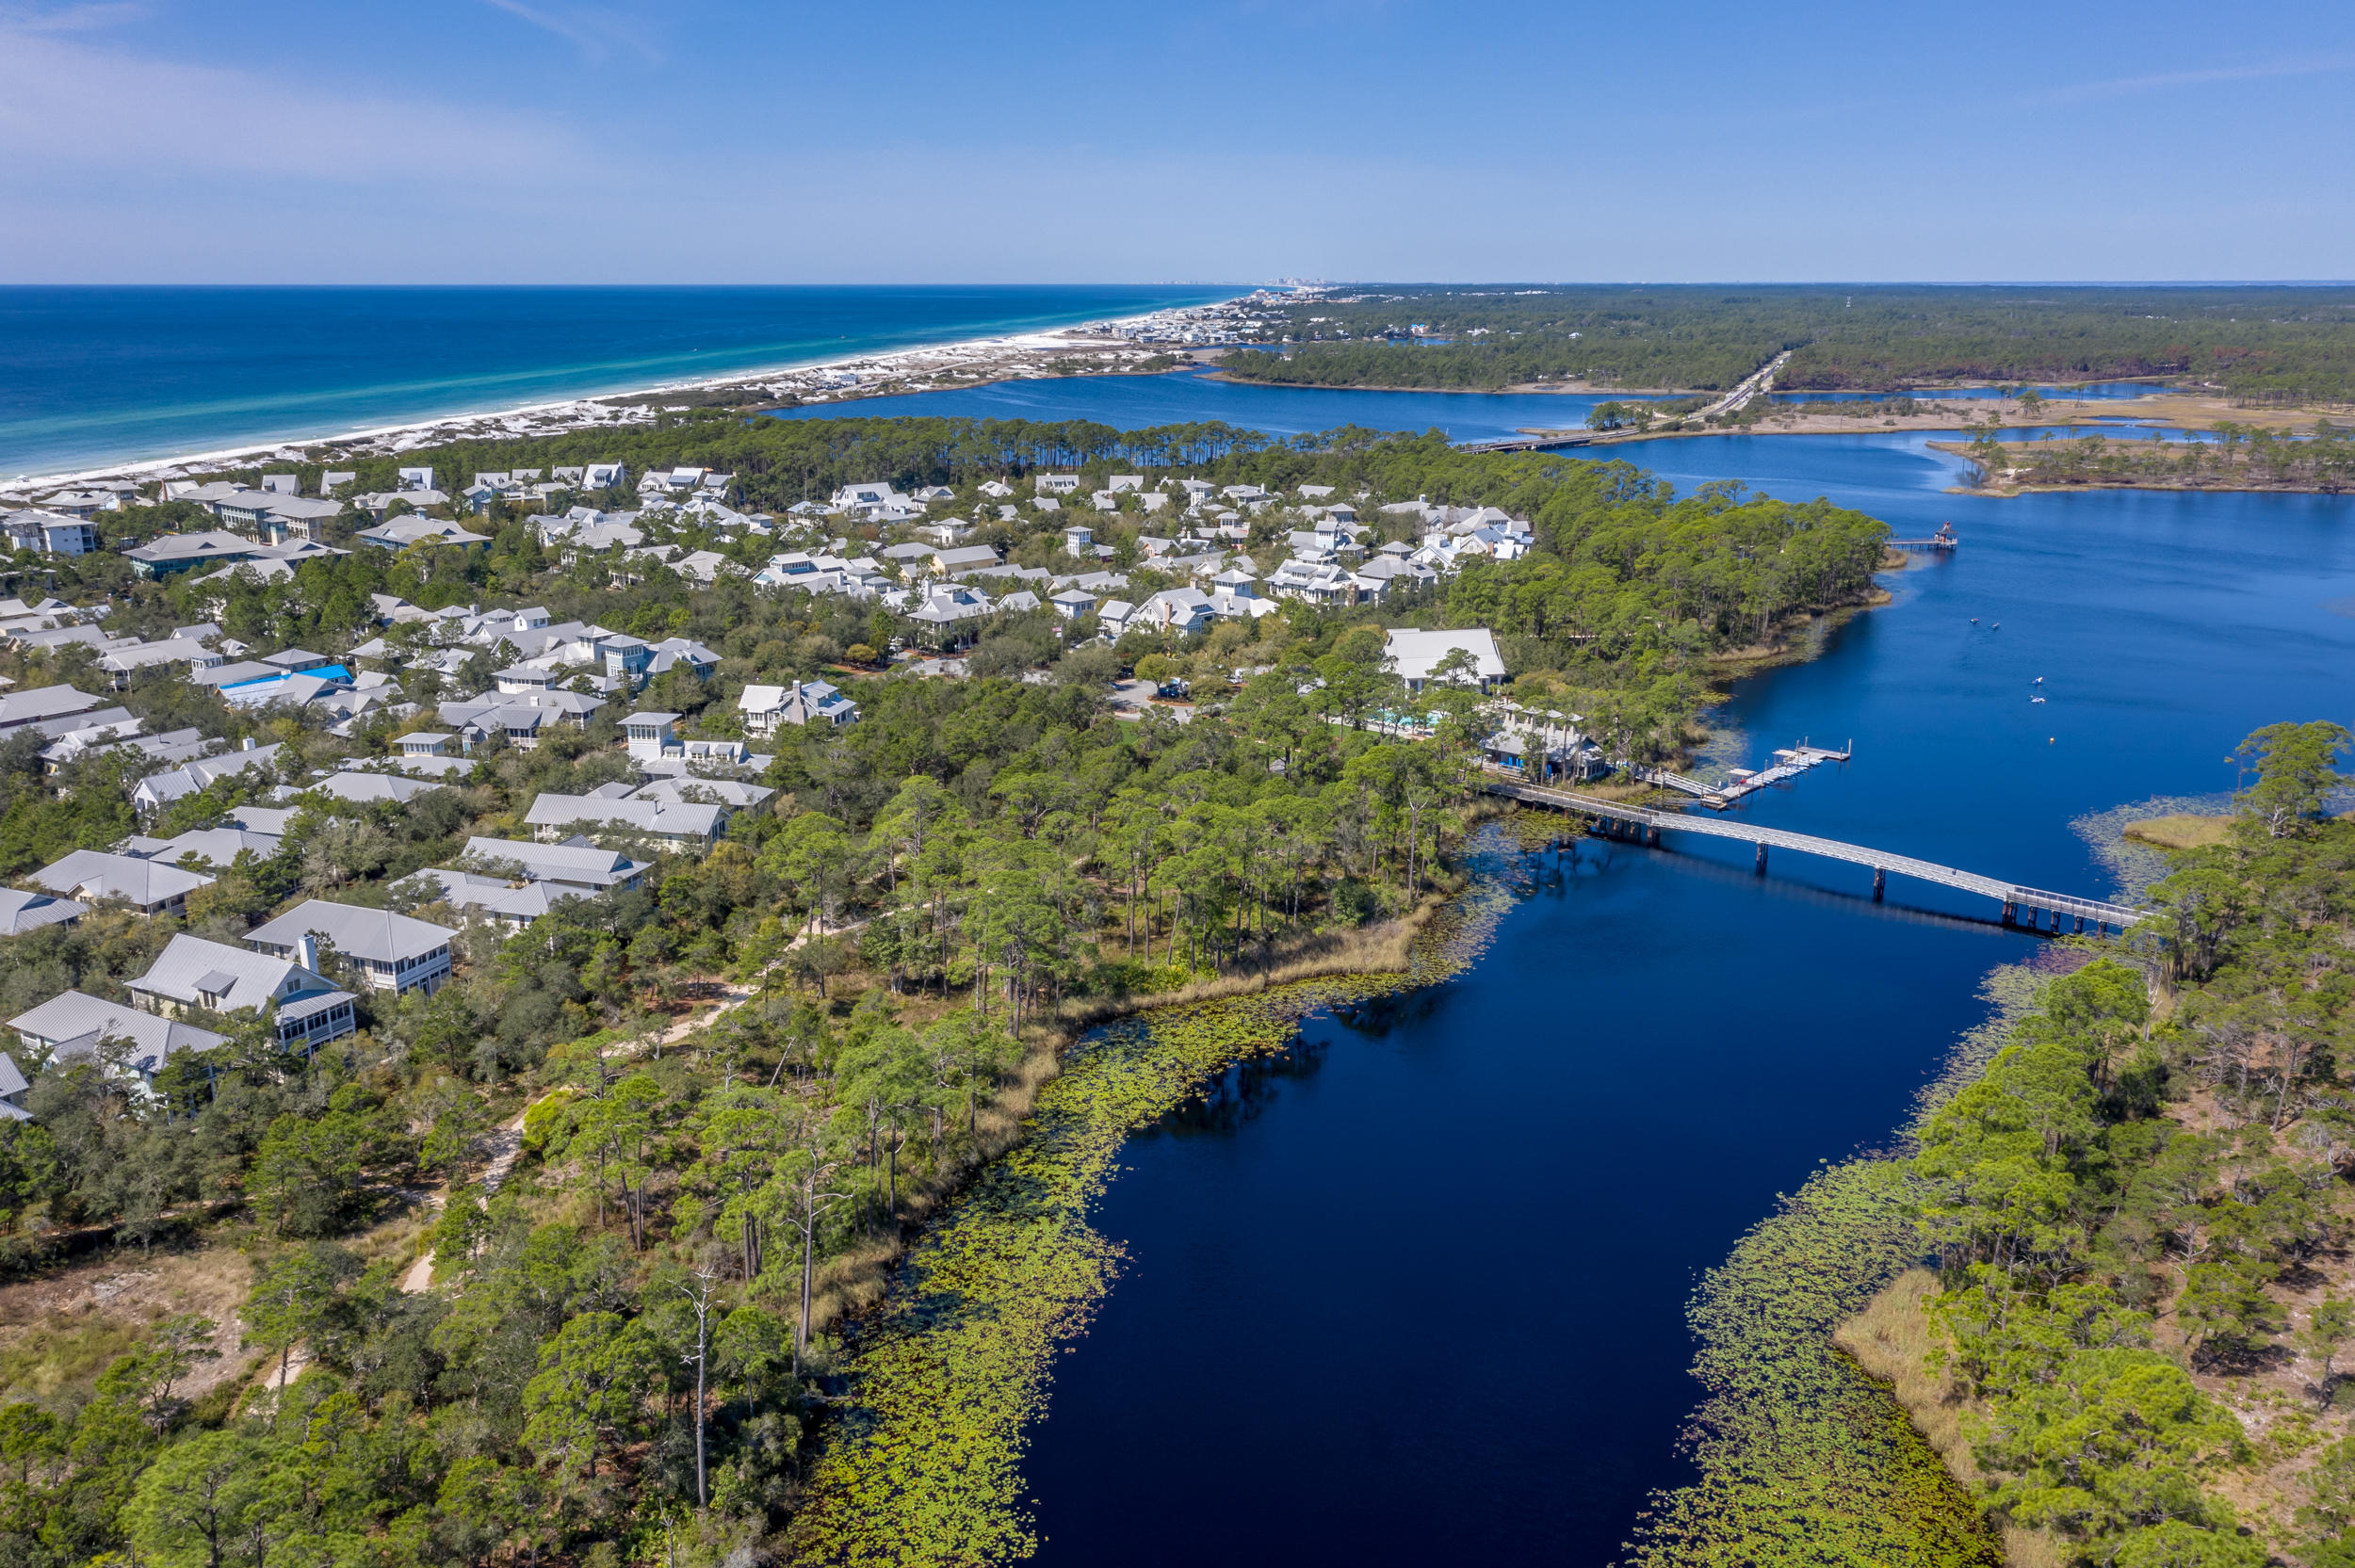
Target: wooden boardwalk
[{"x": 2015, "y": 899}]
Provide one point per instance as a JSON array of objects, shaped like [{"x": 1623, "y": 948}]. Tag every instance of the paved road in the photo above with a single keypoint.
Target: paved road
[{"x": 1752, "y": 384}]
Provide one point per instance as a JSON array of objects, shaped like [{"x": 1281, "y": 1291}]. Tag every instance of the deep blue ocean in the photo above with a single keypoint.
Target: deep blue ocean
[
  {"x": 96, "y": 375},
  {"x": 1416, "y": 1295}
]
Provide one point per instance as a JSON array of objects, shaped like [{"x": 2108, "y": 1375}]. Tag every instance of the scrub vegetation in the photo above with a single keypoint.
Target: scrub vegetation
[
  {"x": 2263, "y": 344},
  {"x": 664, "y": 1316},
  {"x": 2241, "y": 458},
  {"x": 2139, "y": 1221}
]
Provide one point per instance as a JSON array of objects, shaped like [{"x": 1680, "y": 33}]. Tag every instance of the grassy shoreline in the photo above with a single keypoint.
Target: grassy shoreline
[
  {"x": 948, "y": 1366},
  {"x": 1806, "y": 1457}
]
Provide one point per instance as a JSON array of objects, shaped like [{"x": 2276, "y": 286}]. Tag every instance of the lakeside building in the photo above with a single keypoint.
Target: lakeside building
[{"x": 1414, "y": 656}]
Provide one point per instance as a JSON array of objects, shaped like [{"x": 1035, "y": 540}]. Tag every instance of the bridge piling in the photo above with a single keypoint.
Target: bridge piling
[{"x": 1619, "y": 820}]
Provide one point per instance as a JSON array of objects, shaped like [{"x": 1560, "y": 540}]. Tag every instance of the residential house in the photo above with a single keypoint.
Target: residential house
[
  {"x": 1414, "y": 656},
  {"x": 360, "y": 788},
  {"x": 1322, "y": 582},
  {"x": 148, "y": 886},
  {"x": 307, "y": 1008},
  {"x": 521, "y": 719},
  {"x": 216, "y": 846},
  {"x": 392, "y": 952},
  {"x": 970, "y": 557},
  {"x": 581, "y": 868},
  {"x": 158, "y": 790},
  {"x": 1177, "y": 611},
  {"x": 610, "y": 808},
  {"x": 22, "y": 912},
  {"x": 803, "y": 703},
  {"x": 944, "y": 607},
  {"x": 70, "y": 1026},
  {"x": 870, "y": 500},
  {"x": 41, "y": 704}
]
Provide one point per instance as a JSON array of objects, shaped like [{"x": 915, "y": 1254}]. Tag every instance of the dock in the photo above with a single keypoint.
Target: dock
[
  {"x": 1616, "y": 820},
  {"x": 1942, "y": 539},
  {"x": 1790, "y": 762}
]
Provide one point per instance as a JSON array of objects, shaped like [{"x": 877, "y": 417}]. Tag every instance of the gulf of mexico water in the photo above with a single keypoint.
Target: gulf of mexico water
[{"x": 106, "y": 375}]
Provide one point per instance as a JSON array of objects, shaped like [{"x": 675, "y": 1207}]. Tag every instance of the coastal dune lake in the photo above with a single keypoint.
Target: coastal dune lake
[{"x": 1416, "y": 1295}]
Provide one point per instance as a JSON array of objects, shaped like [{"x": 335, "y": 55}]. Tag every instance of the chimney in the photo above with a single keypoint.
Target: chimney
[
  {"x": 307, "y": 953},
  {"x": 248, "y": 746}
]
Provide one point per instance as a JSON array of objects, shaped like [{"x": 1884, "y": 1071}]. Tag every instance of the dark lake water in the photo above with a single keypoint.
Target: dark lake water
[
  {"x": 1181, "y": 397},
  {"x": 1417, "y": 1296},
  {"x": 1420, "y": 1298}
]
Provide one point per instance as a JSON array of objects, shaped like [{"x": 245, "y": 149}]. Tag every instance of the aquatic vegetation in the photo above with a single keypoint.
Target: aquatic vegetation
[
  {"x": 924, "y": 1467},
  {"x": 1804, "y": 1458}
]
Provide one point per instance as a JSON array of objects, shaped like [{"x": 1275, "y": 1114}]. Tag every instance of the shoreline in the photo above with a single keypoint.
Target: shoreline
[
  {"x": 982, "y": 361},
  {"x": 2004, "y": 491},
  {"x": 929, "y": 1471}
]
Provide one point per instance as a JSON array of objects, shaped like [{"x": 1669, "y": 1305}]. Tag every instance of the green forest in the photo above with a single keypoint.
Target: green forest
[
  {"x": 2241, "y": 456},
  {"x": 648, "y": 1226},
  {"x": 2133, "y": 1191},
  {"x": 2263, "y": 345}
]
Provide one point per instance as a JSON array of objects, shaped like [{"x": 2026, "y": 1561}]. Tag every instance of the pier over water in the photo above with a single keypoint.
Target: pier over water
[{"x": 2017, "y": 900}]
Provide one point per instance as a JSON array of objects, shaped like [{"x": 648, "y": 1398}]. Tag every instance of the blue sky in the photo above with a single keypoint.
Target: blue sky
[{"x": 892, "y": 140}]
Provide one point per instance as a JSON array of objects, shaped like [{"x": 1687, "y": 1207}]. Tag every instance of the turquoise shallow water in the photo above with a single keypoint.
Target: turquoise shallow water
[{"x": 95, "y": 376}]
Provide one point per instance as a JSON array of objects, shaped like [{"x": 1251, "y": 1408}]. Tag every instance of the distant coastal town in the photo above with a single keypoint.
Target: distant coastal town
[{"x": 1152, "y": 341}]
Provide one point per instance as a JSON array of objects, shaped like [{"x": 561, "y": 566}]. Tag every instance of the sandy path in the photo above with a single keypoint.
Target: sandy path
[{"x": 506, "y": 1142}]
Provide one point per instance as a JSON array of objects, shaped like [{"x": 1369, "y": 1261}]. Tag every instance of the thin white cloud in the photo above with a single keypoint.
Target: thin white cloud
[
  {"x": 77, "y": 114},
  {"x": 594, "y": 33},
  {"x": 70, "y": 19},
  {"x": 2122, "y": 87}
]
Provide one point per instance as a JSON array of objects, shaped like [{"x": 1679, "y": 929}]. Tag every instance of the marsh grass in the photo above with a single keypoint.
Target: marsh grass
[
  {"x": 921, "y": 1462},
  {"x": 2181, "y": 831},
  {"x": 858, "y": 1279},
  {"x": 1891, "y": 1339}
]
